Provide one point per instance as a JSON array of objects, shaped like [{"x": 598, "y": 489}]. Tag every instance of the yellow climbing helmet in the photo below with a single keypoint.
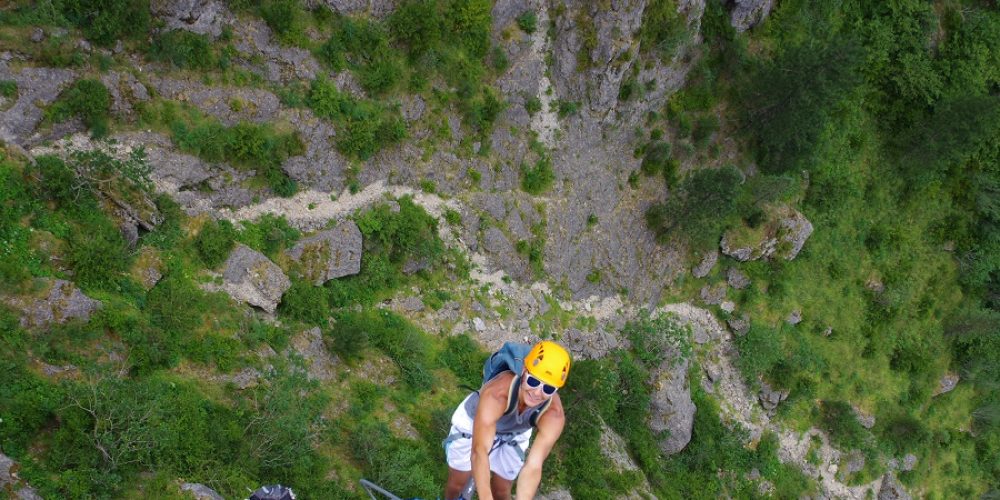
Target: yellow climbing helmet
[{"x": 548, "y": 362}]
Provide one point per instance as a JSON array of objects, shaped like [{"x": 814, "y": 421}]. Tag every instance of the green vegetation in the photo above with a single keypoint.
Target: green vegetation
[
  {"x": 528, "y": 21},
  {"x": 8, "y": 88},
  {"x": 538, "y": 179},
  {"x": 86, "y": 99},
  {"x": 105, "y": 21},
  {"x": 365, "y": 126},
  {"x": 701, "y": 210},
  {"x": 248, "y": 146},
  {"x": 184, "y": 49}
]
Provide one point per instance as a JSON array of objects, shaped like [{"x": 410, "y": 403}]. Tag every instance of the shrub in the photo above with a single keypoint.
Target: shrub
[
  {"x": 701, "y": 210},
  {"x": 567, "y": 108},
  {"x": 759, "y": 350},
  {"x": 463, "y": 356},
  {"x": 87, "y": 99},
  {"x": 416, "y": 24},
  {"x": 56, "y": 180},
  {"x": 656, "y": 158},
  {"x": 391, "y": 334},
  {"x": 305, "y": 302},
  {"x": 183, "y": 49},
  {"x": 285, "y": 17},
  {"x": 528, "y": 21},
  {"x": 532, "y": 105},
  {"x": 175, "y": 304},
  {"x": 654, "y": 338},
  {"x": 97, "y": 252},
  {"x": 538, "y": 179},
  {"x": 214, "y": 242},
  {"x": 268, "y": 234},
  {"x": 393, "y": 463},
  {"x": 840, "y": 422},
  {"x": 8, "y": 88},
  {"x": 364, "y": 127},
  {"x": 662, "y": 28},
  {"x": 105, "y": 21}
]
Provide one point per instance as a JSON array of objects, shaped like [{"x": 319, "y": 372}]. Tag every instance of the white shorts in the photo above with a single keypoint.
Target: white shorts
[{"x": 505, "y": 461}]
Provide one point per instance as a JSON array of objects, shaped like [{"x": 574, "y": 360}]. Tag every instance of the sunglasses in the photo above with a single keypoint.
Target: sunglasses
[{"x": 534, "y": 382}]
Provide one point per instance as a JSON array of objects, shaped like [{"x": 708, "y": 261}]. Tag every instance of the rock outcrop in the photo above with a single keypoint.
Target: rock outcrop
[
  {"x": 12, "y": 485},
  {"x": 891, "y": 489},
  {"x": 252, "y": 278},
  {"x": 62, "y": 302},
  {"x": 783, "y": 237},
  {"x": 206, "y": 17},
  {"x": 319, "y": 363},
  {"x": 671, "y": 407},
  {"x": 748, "y": 13},
  {"x": 329, "y": 254},
  {"x": 200, "y": 492}
]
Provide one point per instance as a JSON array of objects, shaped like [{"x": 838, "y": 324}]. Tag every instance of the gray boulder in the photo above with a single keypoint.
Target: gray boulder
[
  {"x": 252, "y": 278},
  {"x": 329, "y": 254},
  {"x": 737, "y": 279},
  {"x": 11, "y": 484},
  {"x": 794, "y": 317},
  {"x": 947, "y": 383},
  {"x": 748, "y": 13},
  {"x": 320, "y": 365},
  {"x": 62, "y": 302},
  {"x": 205, "y": 17},
  {"x": 200, "y": 492},
  {"x": 867, "y": 421},
  {"x": 714, "y": 294},
  {"x": 36, "y": 89},
  {"x": 891, "y": 489},
  {"x": 784, "y": 236},
  {"x": 770, "y": 398},
  {"x": 855, "y": 461},
  {"x": 740, "y": 325},
  {"x": 707, "y": 263},
  {"x": 375, "y": 8},
  {"x": 671, "y": 407}
]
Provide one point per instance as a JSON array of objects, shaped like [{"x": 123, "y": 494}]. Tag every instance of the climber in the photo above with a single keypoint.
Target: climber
[{"x": 491, "y": 428}]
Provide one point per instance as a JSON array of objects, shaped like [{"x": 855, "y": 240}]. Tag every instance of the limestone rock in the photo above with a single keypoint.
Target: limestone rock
[
  {"x": 855, "y": 462},
  {"x": 947, "y": 384},
  {"x": 782, "y": 236},
  {"x": 309, "y": 344},
  {"x": 909, "y": 462},
  {"x": 329, "y": 254},
  {"x": 748, "y": 13},
  {"x": 375, "y": 8},
  {"x": 252, "y": 278},
  {"x": 559, "y": 494},
  {"x": 671, "y": 407},
  {"x": 794, "y": 317},
  {"x": 148, "y": 268},
  {"x": 206, "y": 17},
  {"x": 770, "y": 398},
  {"x": 11, "y": 484},
  {"x": 411, "y": 304},
  {"x": 707, "y": 263},
  {"x": 494, "y": 241},
  {"x": 614, "y": 448},
  {"x": 36, "y": 89},
  {"x": 737, "y": 279},
  {"x": 891, "y": 489},
  {"x": 867, "y": 421},
  {"x": 740, "y": 325},
  {"x": 62, "y": 302},
  {"x": 37, "y": 35},
  {"x": 200, "y": 492},
  {"x": 714, "y": 294}
]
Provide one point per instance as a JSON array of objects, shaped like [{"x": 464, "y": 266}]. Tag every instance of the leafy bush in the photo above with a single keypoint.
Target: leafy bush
[
  {"x": 528, "y": 21},
  {"x": 416, "y": 25},
  {"x": 792, "y": 100},
  {"x": 364, "y": 127},
  {"x": 8, "y": 88},
  {"x": 87, "y": 99},
  {"x": 759, "y": 350},
  {"x": 700, "y": 210},
  {"x": 183, "y": 49},
  {"x": 841, "y": 424},
  {"x": 463, "y": 356},
  {"x": 268, "y": 234},
  {"x": 662, "y": 30},
  {"x": 391, "y": 334},
  {"x": 305, "y": 302},
  {"x": 394, "y": 463},
  {"x": 97, "y": 252},
  {"x": 175, "y": 304},
  {"x": 538, "y": 179},
  {"x": 532, "y": 105},
  {"x": 105, "y": 21},
  {"x": 654, "y": 338},
  {"x": 214, "y": 242}
]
